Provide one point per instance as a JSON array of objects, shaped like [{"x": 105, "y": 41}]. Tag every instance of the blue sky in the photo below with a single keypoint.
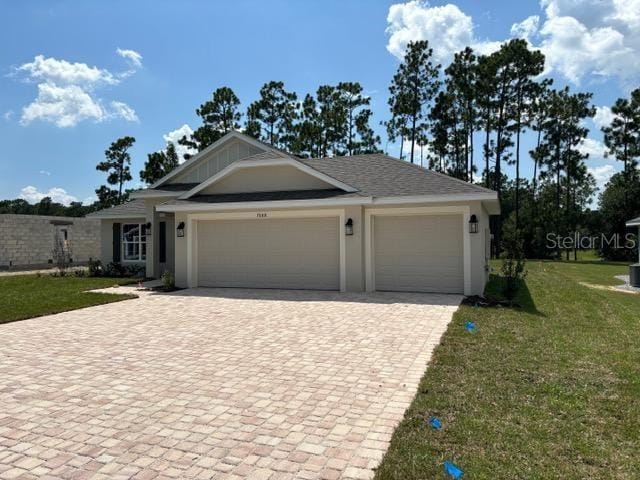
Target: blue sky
[{"x": 76, "y": 75}]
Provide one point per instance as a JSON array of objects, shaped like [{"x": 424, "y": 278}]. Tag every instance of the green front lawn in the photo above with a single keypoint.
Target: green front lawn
[
  {"x": 551, "y": 390},
  {"x": 26, "y": 296}
]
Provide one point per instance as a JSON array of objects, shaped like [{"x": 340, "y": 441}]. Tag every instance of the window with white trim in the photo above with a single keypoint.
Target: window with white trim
[{"x": 134, "y": 242}]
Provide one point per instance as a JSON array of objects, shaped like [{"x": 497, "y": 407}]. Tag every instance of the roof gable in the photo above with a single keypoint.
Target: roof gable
[
  {"x": 231, "y": 147},
  {"x": 264, "y": 173}
]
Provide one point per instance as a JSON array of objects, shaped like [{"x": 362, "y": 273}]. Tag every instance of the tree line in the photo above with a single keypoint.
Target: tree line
[{"x": 466, "y": 120}]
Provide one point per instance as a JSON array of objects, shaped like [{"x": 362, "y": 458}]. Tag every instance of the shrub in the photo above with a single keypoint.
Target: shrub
[
  {"x": 168, "y": 282},
  {"x": 95, "y": 268},
  {"x": 513, "y": 261}
]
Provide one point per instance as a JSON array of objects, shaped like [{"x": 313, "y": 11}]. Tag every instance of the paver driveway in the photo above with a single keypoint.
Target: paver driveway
[{"x": 212, "y": 383}]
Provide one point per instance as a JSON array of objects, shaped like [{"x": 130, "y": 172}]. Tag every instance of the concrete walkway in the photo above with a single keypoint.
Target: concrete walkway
[{"x": 213, "y": 383}]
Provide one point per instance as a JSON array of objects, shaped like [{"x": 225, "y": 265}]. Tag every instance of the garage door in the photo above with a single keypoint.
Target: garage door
[
  {"x": 418, "y": 253},
  {"x": 296, "y": 253}
]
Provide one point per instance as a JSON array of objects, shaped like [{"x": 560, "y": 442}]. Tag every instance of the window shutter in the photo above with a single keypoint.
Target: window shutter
[
  {"x": 162, "y": 243},
  {"x": 116, "y": 242}
]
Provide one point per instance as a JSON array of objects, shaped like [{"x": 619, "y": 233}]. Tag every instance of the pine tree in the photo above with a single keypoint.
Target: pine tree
[
  {"x": 562, "y": 134},
  {"x": 461, "y": 85},
  {"x": 159, "y": 164},
  {"x": 308, "y": 131},
  {"x": 271, "y": 118},
  {"x": 118, "y": 166},
  {"x": 219, "y": 116},
  {"x": 622, "y": 139},
  {"x": 413, "y": 89}
]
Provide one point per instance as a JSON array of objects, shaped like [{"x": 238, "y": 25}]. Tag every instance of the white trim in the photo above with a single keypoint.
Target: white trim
[
  {"x": 633, "y": 223},
  {"x": 240, "y": 164},
  {"x": 196, "y": 207},
  {"x": 463, "y": 197},
  {"x": 221, "y": 141},
  {"x": 192, "y": 245},
  {"x": 369, "y": 218},
  {"x": 141, "y": 226},
  {"x": 212, "y": 207},
  {"x": 149, "y": 193}
]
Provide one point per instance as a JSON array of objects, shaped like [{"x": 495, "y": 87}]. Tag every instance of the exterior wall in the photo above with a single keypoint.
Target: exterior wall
[
  {"x": 106, "y": 236},
  {"x": 222, "y": 158},
  {"x": 355, "y": 250},
  {"x": 27, "y": 240},
  {"x": 180, "y": 250},
  {"x": 355, "y": 261},
  {"x": 153, "y": 266},
  {"x": 266, "y": 179}
]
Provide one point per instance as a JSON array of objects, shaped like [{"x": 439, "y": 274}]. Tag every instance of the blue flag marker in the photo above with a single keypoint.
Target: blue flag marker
[
  {"x": 453, "y": 470},
  {"x": 470, "y": 326},
  {"x": 435, "y": 423}
]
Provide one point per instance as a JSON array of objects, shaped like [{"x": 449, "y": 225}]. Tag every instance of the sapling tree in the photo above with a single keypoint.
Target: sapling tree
[{"x": 513, "y": 261}]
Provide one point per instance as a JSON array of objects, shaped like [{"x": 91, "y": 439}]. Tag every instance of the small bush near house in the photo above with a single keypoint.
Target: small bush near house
[
  {"x": 168, "y": 282},
  {"x": 95, "y": 268},
  {"x": 115, "y": 269},
  {"x": 513, "y": 261}
]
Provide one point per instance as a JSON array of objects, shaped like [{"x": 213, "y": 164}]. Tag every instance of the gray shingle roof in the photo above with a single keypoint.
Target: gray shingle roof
[
  {"x": 379, "y": 175},
  {"x": 134, "y": 208}
]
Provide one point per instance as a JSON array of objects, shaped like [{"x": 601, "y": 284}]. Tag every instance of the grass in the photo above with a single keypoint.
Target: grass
[
  {"x": 27, "y": 296},
  {"x": 549, "y": 390}
]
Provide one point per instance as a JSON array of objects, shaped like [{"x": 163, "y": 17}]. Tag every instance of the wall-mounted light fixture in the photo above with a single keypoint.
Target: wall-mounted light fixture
[
  {"x": 180, "y": 229},
  {"x": 147, "y": 229},
  {"x": 348, "y": 227},
  {"x": 473, "y": 224}
]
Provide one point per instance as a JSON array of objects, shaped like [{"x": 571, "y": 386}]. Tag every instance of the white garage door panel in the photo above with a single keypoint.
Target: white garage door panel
[
  {"x": 269, "y": 253},
  {"x": 419, "y": 253}
]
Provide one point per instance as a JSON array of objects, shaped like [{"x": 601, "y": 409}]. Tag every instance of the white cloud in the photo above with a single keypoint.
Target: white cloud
[
  {"x": 592, "y": 38},
  {"x": 90, "y": 200},
  {"x": 7, "y": 115},
  {"x": 45, "y": 172},
  {"x": 62, "y": 72},
  {"x": 177, "y": 134},
  {"x": 122, "y": 110},
  {"x": 59, "y": 195},
  {"x": 580, "y": 38},
  {"x": 602, "y": 174},
  {"x": 527, "y": 28},
  {"x": 62, "y": 106},
  {"x": 134, "y": 58},
  {"x": 603, "y": 117},
  {"x": 66, "y": 92},
  {"x": 596, "y": 150}
]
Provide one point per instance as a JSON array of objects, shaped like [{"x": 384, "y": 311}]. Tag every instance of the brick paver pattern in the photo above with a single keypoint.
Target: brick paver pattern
[{"x": 213, "y": 383}]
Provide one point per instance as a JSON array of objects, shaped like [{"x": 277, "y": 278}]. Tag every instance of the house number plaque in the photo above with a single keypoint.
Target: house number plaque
[{"x": 261, "y": 215}]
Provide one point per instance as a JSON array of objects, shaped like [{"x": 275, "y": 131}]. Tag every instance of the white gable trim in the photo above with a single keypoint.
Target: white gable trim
[
  {"x": 634, "y": 223},
  {"x": 241, "y": 164},
  {"x": 198, "y": 156}
]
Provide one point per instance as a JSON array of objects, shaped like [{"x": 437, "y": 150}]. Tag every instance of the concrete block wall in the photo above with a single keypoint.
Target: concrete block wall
[{"x": 27, "y": 240}]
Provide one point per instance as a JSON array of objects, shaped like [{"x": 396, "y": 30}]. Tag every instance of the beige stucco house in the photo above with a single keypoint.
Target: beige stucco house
[{"x": 243, "y": 214}]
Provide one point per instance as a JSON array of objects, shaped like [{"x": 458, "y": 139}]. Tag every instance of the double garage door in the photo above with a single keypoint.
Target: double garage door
[
  {"x": 291, "y": 253},
  {"x": 417, "y": 253}
]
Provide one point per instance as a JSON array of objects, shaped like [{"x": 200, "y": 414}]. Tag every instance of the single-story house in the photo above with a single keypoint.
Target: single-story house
[
  {"x": 27, "y": 241},
  {"x": 243, "y": 214}
]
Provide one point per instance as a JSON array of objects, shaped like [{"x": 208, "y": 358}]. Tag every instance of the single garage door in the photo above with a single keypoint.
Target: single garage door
[
  {"x": 418, "y": 253},
  {"x": 292, "y": 253}
]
